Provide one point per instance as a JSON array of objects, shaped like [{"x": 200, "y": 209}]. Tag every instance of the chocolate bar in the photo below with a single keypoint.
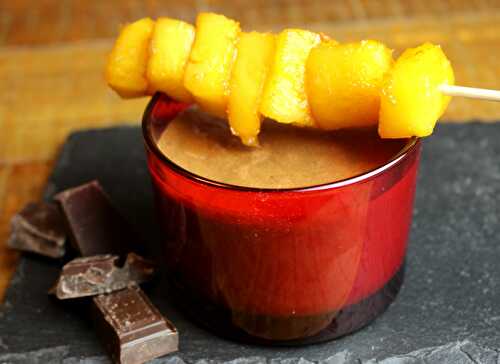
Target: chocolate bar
[
  {"x": 39, "y": 228},
  {"x": 95, "y": 226},
  {"x": 131, "y": 328},
  {"x": 99, "y": 274}
]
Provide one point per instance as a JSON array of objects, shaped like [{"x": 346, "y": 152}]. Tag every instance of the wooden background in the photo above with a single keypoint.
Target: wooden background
[{"x": 52, "y": 54}]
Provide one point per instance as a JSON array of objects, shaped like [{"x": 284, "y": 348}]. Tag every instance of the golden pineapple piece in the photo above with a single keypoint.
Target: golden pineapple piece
[
  {"x": 284, "y": 98},
  {"x": 126, "y": 68},
  {"x": 169, "y": 52},
  {"x": 411, "y": 102},
  {"x": 209, "y": 67},
  {"x": 250, "y": 70},
  {"x": 343, "y": 82}
]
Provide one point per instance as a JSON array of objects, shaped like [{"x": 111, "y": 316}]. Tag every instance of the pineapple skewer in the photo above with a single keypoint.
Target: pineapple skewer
[{"x": 301, "y": 78}]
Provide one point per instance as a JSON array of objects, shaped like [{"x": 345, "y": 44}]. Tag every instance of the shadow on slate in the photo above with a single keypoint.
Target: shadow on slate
[{"x": 447, "y": 311}]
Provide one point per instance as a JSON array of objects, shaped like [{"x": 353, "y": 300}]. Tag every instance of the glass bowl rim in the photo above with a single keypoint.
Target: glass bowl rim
[{"x": 406, "y": 151}]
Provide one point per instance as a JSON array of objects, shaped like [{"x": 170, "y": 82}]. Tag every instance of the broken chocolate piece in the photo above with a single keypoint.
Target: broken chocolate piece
[
  {"x": 131, "y": 328},
  {"x": 39, "y": 228},
  {"x": 96, "y": 227},
  {"x": 99, "y": 274}
]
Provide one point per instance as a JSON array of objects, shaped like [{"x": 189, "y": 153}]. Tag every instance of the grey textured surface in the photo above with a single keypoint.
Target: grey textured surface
[{"x": 447, "y": 312}]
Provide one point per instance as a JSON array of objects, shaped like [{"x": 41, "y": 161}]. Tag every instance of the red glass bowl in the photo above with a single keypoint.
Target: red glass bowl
[{"x": 281, "y": 266}]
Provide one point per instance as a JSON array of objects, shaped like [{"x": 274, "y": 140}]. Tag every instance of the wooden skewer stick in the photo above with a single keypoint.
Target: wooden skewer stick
[{"x": 470, "y": 92}]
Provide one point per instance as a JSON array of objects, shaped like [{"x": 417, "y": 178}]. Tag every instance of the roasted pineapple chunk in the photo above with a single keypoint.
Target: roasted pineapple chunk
[
  {"x": 411, "y": 102},
  {"x": 169, "y": 52},
  {"x": 255, "y": 55},
  {"x": 343, "y": 83},
  {"x": 209, "y": 67},
  {"x": 126, "y": 68},
  {"x": 284, "y": 98}
]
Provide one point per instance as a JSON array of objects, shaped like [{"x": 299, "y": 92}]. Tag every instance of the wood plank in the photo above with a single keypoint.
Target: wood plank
[
  {"x": 62, "y": 96},
  {"x": 54, "y": 21},
  {"x": 4, "y": 173},
  {"x": 19, "y": 184}
]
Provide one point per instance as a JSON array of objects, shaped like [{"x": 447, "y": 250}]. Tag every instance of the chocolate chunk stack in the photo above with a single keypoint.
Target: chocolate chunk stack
[{"x": 108, "y": 273}]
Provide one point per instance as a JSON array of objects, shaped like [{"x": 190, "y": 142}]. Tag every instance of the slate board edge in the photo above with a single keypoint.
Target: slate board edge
[
  {"x": 460, "y": 352},
  {"x": 466, "y": 351}
]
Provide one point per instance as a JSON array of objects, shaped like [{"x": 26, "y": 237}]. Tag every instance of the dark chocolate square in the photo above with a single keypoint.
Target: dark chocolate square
[
  {"x": 132, "y": 330},
  {"x": 39, "y": 228},
  {"x": 98, "y": 274},
  {"x": 95, "y": 226}
]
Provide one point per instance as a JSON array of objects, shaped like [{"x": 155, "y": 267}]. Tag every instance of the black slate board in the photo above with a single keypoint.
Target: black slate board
[{"x": 447, "y": 311}]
